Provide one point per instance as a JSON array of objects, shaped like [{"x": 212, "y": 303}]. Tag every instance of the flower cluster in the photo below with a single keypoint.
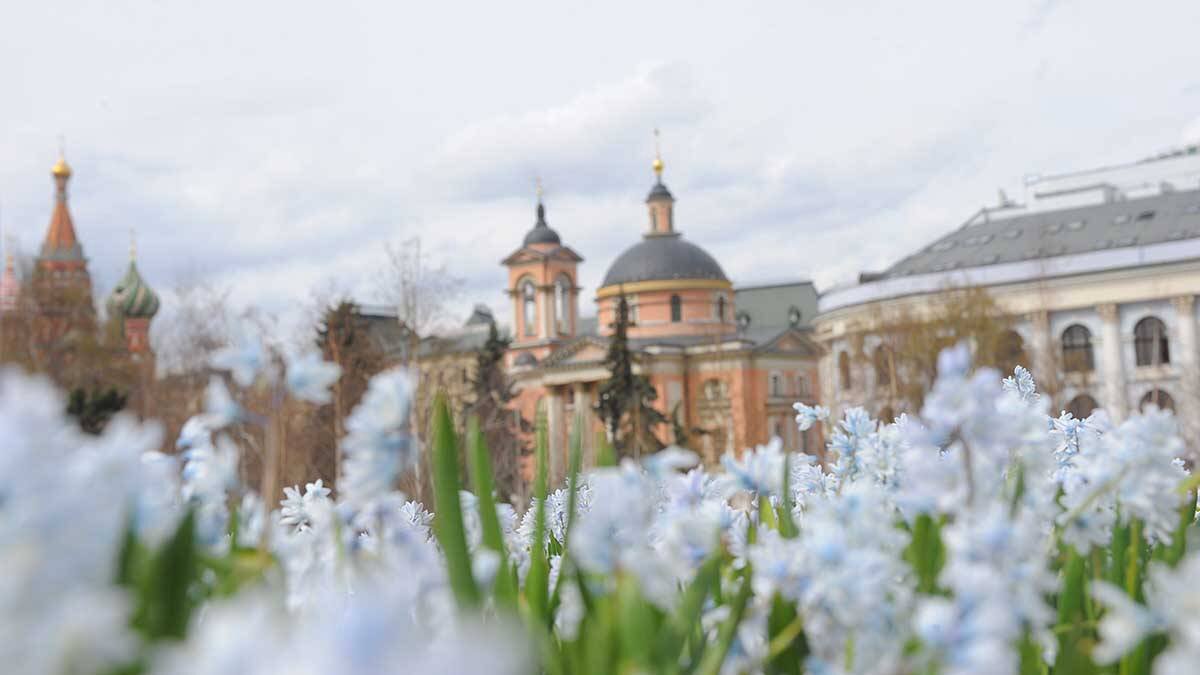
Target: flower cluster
[{"x": 976, "y": 535}]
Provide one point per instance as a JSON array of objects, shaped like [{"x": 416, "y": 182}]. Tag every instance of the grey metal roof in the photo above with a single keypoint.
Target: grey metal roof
[
  {"x": 1164, "y": 217},
  {"x": 481, "y": 315},
  {"x": 389, "y": 336},
  {"x": 660, "y": 257},
  {"x": 659, "y": 191},
  {"x": 541, "y": 233},
  {"x": 775, "y": 306},
  {"x": 469, "y": 340}
]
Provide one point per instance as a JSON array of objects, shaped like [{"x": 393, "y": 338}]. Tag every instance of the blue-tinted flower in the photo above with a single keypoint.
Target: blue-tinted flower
[
  {"x": 244, "y": 359},
  {"x": 310, "y": 376}
]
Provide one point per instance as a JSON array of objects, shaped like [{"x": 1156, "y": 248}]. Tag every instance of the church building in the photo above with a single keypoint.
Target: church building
[
  {"x": 726, "y": 363},
  {"x": 48, "y": 323}
]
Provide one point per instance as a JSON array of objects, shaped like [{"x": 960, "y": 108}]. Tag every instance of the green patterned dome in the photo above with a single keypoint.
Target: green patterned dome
[{"x": 133, "y": 298}]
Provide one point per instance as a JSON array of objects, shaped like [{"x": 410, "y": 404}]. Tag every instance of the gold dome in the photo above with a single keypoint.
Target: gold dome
[{"x": 61, "y": 169}]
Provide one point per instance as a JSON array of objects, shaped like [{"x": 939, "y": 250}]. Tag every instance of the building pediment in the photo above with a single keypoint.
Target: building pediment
[
  {"x": 584, "y": 350},
  {"x": 528, "y": 254},
  {"x": 791, "y": 341}
]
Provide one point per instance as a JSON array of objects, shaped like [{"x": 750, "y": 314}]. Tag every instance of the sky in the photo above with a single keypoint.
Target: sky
[{"x": 274, "y": 148}]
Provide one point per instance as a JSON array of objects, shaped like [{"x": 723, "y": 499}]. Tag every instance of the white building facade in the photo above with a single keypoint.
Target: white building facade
[{"x": 1098, "y": 275}]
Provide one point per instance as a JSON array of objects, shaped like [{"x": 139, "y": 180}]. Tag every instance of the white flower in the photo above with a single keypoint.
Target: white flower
[
  {"x": 759, "y": 470},
  {"x": 379, "y": 445},
  {"x": 300, "y": 511},
  {"x": 244, "y": 359},
  {"x": 1021, "y": 383},
  {"x": 220, "y": 410},
  {"x": 807, "y": 416},
  {"x": 310, "y": 376}
]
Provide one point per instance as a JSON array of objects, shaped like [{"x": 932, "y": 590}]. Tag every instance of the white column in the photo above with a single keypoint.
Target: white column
[
  {"x": 547, "y": 296},
  {"x": 1185, "y": 320},
  {"x": 554, "y": 434},
  {"x": 1110, "y": 358},
  {"x": 1189, "y": 376},
  {"x": 1042, "y": 361}
]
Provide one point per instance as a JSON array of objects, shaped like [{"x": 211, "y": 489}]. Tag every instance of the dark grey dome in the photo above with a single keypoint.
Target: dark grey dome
[
  {"x": 525, "y": 359},
  {"x": 663, "y": 257},
  {"x": 541, "y": 232},
  {"x": 659, "y": 191}
]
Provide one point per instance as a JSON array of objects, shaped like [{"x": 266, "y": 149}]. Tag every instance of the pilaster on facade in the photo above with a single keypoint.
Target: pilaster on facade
[
  {"x": 1189, "y": 385},
  {"x": 1043, "y": 364},
  {"x": 583, "y": 417},
  {"x": 1115, "y": 401},
  {"x": 555, "y": 432}
]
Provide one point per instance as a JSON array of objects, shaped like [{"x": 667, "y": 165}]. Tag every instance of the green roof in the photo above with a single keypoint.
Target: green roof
[{"x": 133, "y": 298}]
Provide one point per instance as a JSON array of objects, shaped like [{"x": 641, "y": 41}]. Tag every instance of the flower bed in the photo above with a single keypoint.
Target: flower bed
[{"x": 982, "y": 537}]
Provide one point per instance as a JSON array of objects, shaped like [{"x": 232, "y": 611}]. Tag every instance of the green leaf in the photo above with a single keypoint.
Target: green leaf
[
  {"x": 164, "y": 604},
  {"x": 1031, "y": 658},
  {"x": 1072, "y": 620},
  {"x": 684, "y": 622},
  {"x": 503, "y": 589},
  {"x": 448, "y": 520},
  {"x": 637, "y": 625},
  {"x": 606, "y": 455},
  {"x": 714, "y": 655},
  {"x": 787, "y": 525},
  {"x": 1137, "y": 661},
  {"x": 766, "y": 514},
  {"x": 788, "y": 644},
  {"x": 537, "y": 580},
  {"x": 926, "y": 553},
  {"x": 576, "y": 460},
  {"x": 128, "y": 557}
]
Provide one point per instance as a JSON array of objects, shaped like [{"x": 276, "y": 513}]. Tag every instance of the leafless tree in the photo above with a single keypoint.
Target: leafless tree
[
  {"x": 197, "y": 321},
  {"x": 418, "y": 287}
]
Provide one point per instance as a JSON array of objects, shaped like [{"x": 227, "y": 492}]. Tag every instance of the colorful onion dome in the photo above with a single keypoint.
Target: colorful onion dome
[{"x": 133, "y": 298}]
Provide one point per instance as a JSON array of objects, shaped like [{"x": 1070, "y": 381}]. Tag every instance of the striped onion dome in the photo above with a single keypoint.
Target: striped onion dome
[{"x": 133, "y": 298}]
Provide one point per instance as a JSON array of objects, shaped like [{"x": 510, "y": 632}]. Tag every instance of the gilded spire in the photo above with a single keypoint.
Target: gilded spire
[
  {"x": 658, "y": 163},
  {"x": 61, "y": 169},
  {"x": 61, "y": 242}
]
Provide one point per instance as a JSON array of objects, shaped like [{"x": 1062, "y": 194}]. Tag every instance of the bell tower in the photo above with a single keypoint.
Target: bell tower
[
  {"x": 62, "y": 287},
  {"x": 543, "y": 286}
]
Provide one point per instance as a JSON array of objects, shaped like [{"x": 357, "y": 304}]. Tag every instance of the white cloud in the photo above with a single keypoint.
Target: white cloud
[{"x": 282, "y": 149}]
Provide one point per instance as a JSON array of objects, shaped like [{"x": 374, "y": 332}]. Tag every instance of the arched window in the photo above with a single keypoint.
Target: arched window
[
  {"x": 529, "y": 308},
  {"x": 1150, "y": 342},
  {"x": 1077, "y": 350},
  {"x": 844, "y": 370},
  {"x": 1081, "y": 406},
  {"x": 676, "y": 309},
  {"x": 802, "y": 385},
  {"x": 883, "y": 366},
  {"x": 776, "y": 384},
  {"x": 1010, "y": 351},
  {"x": 1159, "y": 398},
  {"x": 721, "y": 309},
  {"x": 562, "y": 303}
]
